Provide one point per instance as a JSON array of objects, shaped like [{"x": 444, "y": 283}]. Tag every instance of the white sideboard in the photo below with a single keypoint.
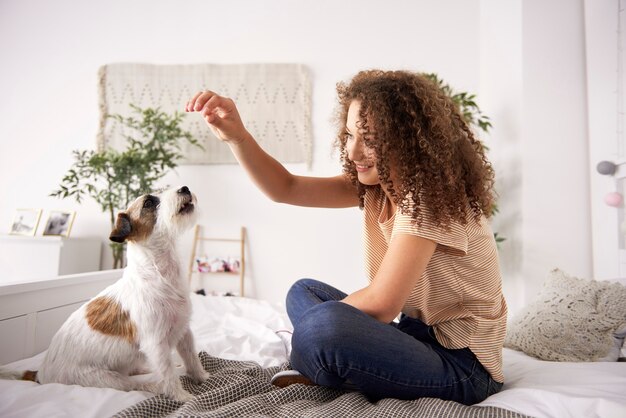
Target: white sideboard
[{"x": 26, "y": 258}]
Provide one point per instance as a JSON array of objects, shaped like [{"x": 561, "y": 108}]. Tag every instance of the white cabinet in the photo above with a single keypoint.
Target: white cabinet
[{"x": 27, "y": 258}]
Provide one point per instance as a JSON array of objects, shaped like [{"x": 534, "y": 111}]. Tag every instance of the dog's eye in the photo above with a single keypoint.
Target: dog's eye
[{"x": 148, "y": 203}]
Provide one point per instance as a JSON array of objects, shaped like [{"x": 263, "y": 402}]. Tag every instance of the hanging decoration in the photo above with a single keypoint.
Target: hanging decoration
[
  {"x": 274, "y": 101},
  {"x": 609, "y": 168}
]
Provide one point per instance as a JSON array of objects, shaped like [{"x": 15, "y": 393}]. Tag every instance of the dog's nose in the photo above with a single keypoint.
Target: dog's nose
[{"x": 184, "y": 190}]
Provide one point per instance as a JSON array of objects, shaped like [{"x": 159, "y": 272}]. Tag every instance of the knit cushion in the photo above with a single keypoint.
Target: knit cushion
[{"x": 572, "y": 319}]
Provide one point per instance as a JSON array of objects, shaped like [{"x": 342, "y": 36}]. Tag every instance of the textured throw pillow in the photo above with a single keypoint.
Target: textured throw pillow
[
  {"x": 622, "y": 353},
  {"x": 572, "y": 319}
]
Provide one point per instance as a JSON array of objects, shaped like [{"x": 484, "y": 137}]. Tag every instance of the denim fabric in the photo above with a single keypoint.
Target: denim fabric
[{"x": 337, "y": 345}]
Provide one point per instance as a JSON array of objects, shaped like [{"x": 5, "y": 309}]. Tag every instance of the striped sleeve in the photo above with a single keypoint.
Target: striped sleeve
[{"x": 453, "y": 238}]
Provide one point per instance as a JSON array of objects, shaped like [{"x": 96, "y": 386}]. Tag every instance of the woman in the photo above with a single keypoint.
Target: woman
[{"x": 426, "y": 187}]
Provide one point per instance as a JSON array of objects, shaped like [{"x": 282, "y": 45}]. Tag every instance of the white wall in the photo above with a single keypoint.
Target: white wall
[
  {"x": 533, "y": 84},
  {"x": 555, "y": 180},
  {"x": 501, "y": 98},
  {"x": 48, "y": 107}
]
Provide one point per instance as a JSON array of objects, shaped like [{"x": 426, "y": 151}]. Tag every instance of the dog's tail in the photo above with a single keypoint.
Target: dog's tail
[{"x": 18, "y": 375}]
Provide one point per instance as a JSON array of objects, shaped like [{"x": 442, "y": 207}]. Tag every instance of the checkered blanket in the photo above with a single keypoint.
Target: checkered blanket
[{"x": 243, "y": 389}]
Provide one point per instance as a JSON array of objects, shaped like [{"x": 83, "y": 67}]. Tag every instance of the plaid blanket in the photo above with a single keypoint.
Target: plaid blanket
[{"x": 243, "y": 389}]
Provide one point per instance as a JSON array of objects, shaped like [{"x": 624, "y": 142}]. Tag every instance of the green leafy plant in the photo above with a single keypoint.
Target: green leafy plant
[
  {"x": 115, "y": 178},
  {"x": 471, "y": 114}
]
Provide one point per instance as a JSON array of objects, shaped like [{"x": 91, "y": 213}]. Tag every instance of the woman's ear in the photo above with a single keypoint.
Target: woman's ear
[{"x": 122, "y": 228}]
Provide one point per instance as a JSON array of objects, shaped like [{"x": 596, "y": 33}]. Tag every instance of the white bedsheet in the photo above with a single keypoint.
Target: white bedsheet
[
  {"x": 557, "y": 389},
  {"x": 248, "y": 329}
]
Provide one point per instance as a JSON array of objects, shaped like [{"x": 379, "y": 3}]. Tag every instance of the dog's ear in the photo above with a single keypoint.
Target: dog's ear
[{"x": 122, "y": 228}]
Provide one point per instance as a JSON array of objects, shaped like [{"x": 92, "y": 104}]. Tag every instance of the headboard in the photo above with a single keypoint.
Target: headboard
[{"x": 32, "y": 312}]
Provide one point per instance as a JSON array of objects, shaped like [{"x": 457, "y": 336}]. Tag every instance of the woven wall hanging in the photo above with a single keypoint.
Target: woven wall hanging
[{"x": 274, "y": 101}]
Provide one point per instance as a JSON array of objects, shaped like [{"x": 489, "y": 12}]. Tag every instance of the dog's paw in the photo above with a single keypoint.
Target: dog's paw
[
  {"x": 173, "y": 389},
  {"x": 199, "y": 376},
  {"x": 180, "y": 395}
]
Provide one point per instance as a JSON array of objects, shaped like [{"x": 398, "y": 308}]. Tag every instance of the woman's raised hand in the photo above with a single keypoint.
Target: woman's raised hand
[{"x": 220, "y": 113}]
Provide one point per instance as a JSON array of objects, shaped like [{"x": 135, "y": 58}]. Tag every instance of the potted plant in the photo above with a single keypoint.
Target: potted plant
[{"x": 115, "y": 178}]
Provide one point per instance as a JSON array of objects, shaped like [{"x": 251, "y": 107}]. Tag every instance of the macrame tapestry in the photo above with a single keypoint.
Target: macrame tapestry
[{"x": 274, "y": 101}]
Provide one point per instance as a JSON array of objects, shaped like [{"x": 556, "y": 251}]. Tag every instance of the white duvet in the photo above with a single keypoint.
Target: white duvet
[{"x": 248, "y": 329}]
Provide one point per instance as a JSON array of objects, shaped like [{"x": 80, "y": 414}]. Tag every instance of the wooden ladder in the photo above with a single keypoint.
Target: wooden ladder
[{"x": 197, "y": 237}]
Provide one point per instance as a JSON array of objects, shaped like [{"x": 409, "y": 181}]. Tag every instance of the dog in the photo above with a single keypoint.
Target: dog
[{"x": 132, "y": 326}]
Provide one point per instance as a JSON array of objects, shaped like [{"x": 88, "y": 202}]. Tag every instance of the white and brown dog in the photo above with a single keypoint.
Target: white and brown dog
[{"x": 132, "y": 326}]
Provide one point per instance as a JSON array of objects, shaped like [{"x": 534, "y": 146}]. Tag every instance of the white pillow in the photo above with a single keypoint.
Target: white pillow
[
  {"x": 621, "y": 280},
  {"x": 622, "y": 354},
  {"x": 572, "y": 319}
]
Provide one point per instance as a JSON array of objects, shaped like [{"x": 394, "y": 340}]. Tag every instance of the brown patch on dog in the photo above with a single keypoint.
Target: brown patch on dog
[
  {"x": 106, "y": 316},
  {"x": 30, "y": 375},
  {"x": 137, "y": 222}
]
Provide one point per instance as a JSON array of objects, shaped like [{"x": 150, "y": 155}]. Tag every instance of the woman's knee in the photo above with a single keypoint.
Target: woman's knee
[
  {"x": 322, "y": 326},
  {"x": 305, "y": 294},
  {"x": 303, "y": 284},
  {"x": 299, "y": 286},
  {"x": 295, "y": 295}
]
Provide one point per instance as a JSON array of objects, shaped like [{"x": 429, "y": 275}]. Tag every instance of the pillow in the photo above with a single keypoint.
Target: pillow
[
  {"x": 622, "y": 354},
  {"x": 572, "y": 319}
]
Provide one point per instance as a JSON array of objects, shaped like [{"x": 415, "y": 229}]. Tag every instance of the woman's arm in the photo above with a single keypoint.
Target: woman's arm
[
  {"x": 221, "y": 114},
  {"x": 404, "y": 262}
]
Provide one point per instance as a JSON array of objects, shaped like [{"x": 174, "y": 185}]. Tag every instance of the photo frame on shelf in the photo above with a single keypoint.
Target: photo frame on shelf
[
  {"x": 25, "y": 222},
  {"x": 59, "y": 223}
]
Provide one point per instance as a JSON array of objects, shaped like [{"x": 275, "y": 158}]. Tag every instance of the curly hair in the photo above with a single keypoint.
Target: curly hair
[{"x": 420, "y": 138}]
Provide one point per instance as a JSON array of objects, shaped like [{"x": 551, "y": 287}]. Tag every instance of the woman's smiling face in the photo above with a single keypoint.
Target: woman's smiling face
[{"x": 362, "y": 156}]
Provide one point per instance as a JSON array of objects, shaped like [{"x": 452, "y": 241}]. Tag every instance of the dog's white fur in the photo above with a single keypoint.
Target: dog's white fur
[{"x": 134, "y": 324}]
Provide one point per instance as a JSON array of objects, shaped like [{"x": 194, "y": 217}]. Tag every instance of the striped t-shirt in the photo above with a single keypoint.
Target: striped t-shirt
[{"x": 460, "y": 293}]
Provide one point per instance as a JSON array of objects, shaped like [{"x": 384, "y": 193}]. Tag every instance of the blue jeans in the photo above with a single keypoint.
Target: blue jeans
[{"x": 336, "y": 345}]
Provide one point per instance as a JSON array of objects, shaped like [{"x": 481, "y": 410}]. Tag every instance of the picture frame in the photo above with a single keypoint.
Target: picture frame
[
  {"x": 25, "y": 222},
  {"x": 59, "y": 223}
]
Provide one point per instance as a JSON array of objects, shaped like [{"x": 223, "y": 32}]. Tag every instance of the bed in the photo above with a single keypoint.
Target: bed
[{"x": 243, "y": 342}]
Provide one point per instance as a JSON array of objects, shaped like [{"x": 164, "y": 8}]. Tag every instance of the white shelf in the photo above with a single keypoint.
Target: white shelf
[{"x": 29, "y": 258}]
